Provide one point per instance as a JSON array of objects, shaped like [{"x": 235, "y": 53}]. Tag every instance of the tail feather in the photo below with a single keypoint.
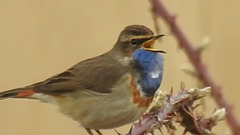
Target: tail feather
[{"x": 16, "y": 93}]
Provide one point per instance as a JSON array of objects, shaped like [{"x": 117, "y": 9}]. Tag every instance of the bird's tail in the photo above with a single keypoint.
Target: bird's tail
[{"x": 17, "y": 93}]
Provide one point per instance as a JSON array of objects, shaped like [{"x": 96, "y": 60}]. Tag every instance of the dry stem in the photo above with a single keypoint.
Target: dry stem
[{"x": 193, "y": 55}]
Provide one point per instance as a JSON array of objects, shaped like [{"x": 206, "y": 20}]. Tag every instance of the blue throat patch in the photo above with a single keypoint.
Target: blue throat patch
[{"x": 150, "y": 66}]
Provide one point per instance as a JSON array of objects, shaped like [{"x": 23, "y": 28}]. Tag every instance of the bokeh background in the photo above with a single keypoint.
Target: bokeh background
[{"x": 40, "y": 38}]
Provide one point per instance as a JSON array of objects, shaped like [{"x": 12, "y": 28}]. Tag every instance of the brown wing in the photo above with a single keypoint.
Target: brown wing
[{"x": 98, "y": 74}]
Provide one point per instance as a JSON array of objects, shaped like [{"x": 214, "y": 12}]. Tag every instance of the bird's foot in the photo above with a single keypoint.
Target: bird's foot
[{"x": 90, "y": 132}]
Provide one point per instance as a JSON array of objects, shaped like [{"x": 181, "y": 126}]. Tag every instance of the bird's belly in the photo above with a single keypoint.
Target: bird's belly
[{"x": 104, "y": 111}]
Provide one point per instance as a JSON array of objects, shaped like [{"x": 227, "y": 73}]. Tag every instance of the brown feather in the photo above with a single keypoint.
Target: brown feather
[{"x": 97, "y": 74}]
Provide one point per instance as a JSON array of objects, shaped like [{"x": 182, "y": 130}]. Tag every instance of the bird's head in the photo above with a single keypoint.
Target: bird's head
[{"x": 134, "y": 37}]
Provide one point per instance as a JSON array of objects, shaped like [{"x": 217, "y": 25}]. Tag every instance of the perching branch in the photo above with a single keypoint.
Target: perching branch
[
  {"x": 193, "y": 55},
  {"x": 167, "y": 110}
]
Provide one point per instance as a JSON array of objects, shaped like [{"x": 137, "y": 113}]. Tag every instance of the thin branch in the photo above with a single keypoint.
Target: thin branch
[
  {"x": 168, "y": 110},
  {"x": 156, "y": 23},
  {"x": 193, "y": 55}
]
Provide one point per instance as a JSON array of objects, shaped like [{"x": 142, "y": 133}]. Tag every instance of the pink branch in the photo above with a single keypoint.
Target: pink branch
[{"x": 193, "y": 55}]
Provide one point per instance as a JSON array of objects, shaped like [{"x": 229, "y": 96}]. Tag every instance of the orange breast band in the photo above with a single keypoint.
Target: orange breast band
[{"x": 137, "y": 98}]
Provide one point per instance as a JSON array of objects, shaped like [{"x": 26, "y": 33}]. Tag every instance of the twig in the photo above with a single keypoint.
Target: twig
[
  {"x": 168, "y": 110},
  {"x": 193, "y": 55},
  {"x": 156, "y": 23}
]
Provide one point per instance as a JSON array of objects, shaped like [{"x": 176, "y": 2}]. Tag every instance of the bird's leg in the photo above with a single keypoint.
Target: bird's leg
[
  {"x": 99, "y": 133},
  {"x": 89, "y": 131},
  {"x": 117, "y": 132}
]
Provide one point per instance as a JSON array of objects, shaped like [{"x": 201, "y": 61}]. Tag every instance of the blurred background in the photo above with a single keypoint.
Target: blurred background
[{"x": 40, "y": 38}]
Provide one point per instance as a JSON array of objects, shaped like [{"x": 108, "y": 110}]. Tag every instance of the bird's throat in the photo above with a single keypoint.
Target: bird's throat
[{"x": 149, "y": 66}]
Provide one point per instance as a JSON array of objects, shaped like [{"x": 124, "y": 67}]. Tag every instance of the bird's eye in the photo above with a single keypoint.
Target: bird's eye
[{"x": 134, "y": 41}]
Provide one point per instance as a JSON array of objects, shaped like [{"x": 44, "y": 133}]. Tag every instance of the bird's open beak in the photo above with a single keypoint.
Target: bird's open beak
[{"x": 149, "y": 44}]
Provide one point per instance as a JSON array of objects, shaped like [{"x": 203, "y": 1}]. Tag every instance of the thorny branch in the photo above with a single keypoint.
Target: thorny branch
[
  {"x": 166, "y": 110},
  {"x": 160, "y": 10}
]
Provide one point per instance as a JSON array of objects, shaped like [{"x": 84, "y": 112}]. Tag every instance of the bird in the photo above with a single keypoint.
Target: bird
[{"x": 106, "y": 91}]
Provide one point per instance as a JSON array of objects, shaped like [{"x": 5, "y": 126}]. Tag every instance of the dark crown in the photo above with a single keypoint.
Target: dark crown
[{"x": 137, "y": 30}]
